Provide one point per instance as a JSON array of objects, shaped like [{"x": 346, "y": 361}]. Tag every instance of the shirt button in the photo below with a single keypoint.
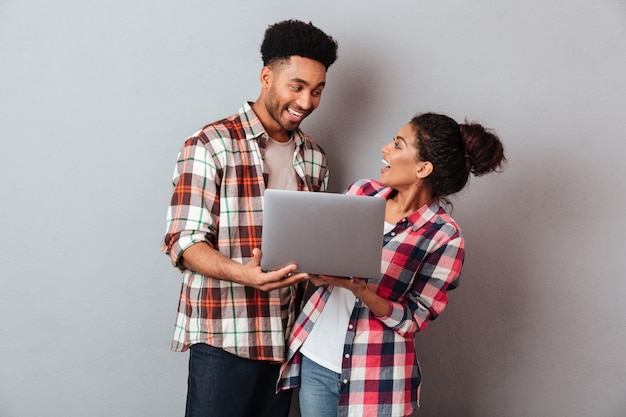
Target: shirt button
[
  {"x": 350, "y": 327},
  {"x": 393, "y": 233},
  {"x": 347, "y": 355},
  {"x": 345, "y": 381}
]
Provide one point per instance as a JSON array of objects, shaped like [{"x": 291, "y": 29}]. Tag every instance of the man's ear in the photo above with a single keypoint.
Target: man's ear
[
  {"x": 266, "y": 76},
  {"x": 424, "y": 169}
]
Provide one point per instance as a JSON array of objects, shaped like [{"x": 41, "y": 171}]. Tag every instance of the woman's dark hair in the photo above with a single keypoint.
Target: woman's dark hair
[
  {"x": 455, "y": 151},
  {"x": 293, "y": 37}
]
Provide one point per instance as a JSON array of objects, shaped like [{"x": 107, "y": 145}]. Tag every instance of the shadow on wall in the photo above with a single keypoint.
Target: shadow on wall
[
  {"x": 469, "y": 342},
  {"x": 502, "y": 318},
  {"x": 350, "y": 114}
]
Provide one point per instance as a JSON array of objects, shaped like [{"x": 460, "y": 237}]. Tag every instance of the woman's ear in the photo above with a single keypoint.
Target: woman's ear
[{"x": 424, "y": 169}]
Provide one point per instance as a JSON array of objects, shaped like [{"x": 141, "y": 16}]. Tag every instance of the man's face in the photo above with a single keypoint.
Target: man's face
[{"x": 291, "y": 91}]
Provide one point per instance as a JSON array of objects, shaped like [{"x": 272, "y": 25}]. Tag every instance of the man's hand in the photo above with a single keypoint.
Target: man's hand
[
  {"x": 253, "y": 276},
  {"x": 205, "y": 260}
]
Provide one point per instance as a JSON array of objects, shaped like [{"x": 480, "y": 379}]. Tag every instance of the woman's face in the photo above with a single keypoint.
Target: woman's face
[{"x": 401, "y": 161}]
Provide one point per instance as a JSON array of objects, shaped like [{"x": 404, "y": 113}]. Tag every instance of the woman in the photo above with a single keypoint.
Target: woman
[{"x": 352, "y": 348}]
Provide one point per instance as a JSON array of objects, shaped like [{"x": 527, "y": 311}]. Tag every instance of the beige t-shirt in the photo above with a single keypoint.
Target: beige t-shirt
[
  {"x": 279, "y": 162},
  {"x": 282, "y": 175}
]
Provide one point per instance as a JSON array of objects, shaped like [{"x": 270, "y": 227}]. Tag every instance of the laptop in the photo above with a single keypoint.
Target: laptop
[{"x": 323, "y": 233}]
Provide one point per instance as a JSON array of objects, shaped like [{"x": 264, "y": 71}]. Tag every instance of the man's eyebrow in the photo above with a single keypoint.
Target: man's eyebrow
[{"x": 305, "y": 82}]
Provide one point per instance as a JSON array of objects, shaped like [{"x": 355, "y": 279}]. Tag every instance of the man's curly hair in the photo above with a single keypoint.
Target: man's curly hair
[{"x": 293, "y": 37}]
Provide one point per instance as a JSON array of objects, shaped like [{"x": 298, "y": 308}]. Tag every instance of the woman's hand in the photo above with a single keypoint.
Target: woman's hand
[
  {"x": 357, "y": 285},
  {"x": 377, "y": 304},
  {"x": 317, "y": 280}
]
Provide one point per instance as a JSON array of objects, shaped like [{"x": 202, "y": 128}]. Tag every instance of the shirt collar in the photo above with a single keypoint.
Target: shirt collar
[
  {"x": 424, "y": 214},
  {"x": 254, "y": 129},
  {"x": 418, "y": 218}
]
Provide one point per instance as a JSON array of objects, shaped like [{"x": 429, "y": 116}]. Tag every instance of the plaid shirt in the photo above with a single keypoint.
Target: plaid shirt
[
  {"x": 422, "y": 259},
  {"x": 219, "y": 181}
]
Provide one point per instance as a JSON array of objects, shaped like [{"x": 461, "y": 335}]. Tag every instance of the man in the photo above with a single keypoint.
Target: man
[{"x": 232, "y": 316}]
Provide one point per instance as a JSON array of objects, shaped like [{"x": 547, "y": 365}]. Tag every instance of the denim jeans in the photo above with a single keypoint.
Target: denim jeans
[
  {"x": 224, "y": 385},
  {"x": 319, "y": 390}
]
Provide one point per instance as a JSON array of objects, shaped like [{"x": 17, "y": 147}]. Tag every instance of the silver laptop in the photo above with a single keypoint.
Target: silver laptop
[{"x": 323, "y": 233}]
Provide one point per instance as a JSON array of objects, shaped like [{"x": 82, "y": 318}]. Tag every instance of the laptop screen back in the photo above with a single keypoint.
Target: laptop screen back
[{"x": 323, "y": 233}]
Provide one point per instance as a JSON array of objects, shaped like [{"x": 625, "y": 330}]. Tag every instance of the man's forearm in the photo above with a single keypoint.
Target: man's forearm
[{"x": 205, "y": 260}]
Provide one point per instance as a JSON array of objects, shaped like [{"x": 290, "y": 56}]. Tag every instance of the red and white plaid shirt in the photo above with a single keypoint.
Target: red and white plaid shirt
[
  {"x": 421, "y": 261},
  {"x": 219, "y": 181}
]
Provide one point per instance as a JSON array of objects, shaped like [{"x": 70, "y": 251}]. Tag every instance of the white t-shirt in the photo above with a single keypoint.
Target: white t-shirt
[{"x": 324, "y": 345}]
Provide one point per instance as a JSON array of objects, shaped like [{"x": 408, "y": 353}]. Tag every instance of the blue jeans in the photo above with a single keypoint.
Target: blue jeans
[
  {"x": 224, "y": 385},
  {"x": 319, "y": 390}
]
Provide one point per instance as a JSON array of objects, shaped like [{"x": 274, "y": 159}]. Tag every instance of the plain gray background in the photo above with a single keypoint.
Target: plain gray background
[{"x": 96, "y": 98}]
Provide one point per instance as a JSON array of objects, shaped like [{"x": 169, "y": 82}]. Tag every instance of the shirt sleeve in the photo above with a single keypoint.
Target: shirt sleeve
[
  {"x": 428, "y": 296},
  {"x": 324, "y": 183},
  {"x": 193, "y": 213}
]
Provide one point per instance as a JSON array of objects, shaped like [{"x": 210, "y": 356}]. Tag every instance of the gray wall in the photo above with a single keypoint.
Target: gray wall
[{"x": 97, "y": 97}]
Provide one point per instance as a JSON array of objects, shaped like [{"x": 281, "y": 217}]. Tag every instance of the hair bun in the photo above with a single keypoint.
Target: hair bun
[{"x": 484, "y": 152}]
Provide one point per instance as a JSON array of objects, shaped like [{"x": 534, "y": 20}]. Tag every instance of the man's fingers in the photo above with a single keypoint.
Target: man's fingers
[
  {"x": 287, "y": 274},
  {"x": 275, "y": 281},
  {"x": 256, "y": 257}
]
